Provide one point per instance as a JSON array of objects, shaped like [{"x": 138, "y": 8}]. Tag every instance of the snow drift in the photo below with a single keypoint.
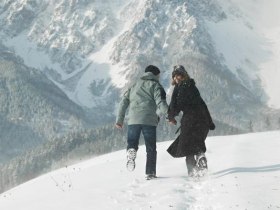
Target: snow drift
[{"x": 244, "y": 173}]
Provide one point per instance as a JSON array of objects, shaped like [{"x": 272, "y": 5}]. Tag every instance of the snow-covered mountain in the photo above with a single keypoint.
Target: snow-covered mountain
[
  {"x": 244, "y": 173},
  {"x": 248, "y": 41},
  {"x": 33, "y": 110},
  {"x": 90, "y": 51},
  {"x": 94, "y": 49}
]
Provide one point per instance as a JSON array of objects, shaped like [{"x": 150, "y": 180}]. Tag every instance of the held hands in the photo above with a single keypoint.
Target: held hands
[{"x": 172, "y": 122}]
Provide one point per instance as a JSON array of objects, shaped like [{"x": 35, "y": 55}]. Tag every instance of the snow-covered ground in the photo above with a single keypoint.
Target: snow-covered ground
[{"x": 244, "y": 173}]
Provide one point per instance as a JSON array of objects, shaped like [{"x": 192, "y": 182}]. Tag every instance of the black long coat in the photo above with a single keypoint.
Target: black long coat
[{"x": 195, "y": 122}]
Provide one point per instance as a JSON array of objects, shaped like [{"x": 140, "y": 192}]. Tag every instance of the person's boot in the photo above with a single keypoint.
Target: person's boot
[
  {"x": 191, "y": 165},
  {"x": 150, "y": 176},
  {"x": 131, "y": 156},
  {"x": 201, "y": 163}
]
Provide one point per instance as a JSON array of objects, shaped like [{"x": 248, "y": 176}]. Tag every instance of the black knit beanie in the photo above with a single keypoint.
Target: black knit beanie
[
  {"x": 179, "y": 70},
  {"x": 155, "y": 70}
]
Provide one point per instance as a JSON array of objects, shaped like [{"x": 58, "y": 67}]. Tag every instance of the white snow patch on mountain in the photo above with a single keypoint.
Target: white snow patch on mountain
[
  {"x": 101, "y": 68},
  {"x": 31, "y": 55},
  {"x": 244, "y": 173},
  {"x": 248, "y": 40}
]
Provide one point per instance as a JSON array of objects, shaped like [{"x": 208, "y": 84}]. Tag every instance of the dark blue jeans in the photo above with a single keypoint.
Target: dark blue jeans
[{"x": 149, "y": 133}]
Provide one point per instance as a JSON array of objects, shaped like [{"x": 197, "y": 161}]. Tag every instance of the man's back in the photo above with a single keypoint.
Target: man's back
[{"x": 143, "y": 98}]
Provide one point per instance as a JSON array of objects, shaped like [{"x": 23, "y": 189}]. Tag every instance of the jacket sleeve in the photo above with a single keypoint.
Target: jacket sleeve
[
  {"x": 122, "y": 107},
  {"x": 160, "y": 99},
  {"x": 172, "y": 109}
]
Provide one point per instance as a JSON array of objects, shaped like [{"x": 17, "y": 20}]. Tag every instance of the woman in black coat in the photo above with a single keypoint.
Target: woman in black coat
[{"x": 195, "y": 123}]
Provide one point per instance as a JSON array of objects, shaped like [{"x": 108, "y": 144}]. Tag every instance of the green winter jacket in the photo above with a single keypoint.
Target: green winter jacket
[{"x": 144, "y": 98}]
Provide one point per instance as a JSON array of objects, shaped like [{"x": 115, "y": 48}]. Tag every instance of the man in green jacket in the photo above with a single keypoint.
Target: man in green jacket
[{"x": 144, "y": 98}]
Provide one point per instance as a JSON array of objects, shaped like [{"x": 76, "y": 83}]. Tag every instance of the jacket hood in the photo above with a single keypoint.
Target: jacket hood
[{"x": 149, "y": 76}]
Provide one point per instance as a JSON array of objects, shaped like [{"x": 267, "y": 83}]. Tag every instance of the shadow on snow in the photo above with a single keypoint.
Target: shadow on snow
[{"x": 225, "y": 172}]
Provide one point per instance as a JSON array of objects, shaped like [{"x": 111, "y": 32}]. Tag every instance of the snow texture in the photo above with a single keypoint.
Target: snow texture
[
  {"x": 244, "y": 173},
  {"x": 248, "y": 40}
]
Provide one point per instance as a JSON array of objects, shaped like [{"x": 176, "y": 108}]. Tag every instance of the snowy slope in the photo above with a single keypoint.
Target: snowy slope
[
  {"x": 248, "y": 40},
  {"x": 244, "y": 174}
]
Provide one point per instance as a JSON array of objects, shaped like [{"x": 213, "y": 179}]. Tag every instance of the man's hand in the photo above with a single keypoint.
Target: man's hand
[
  {"x": 119, "y": 126},
  {"x": 173, "y": 122}
]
